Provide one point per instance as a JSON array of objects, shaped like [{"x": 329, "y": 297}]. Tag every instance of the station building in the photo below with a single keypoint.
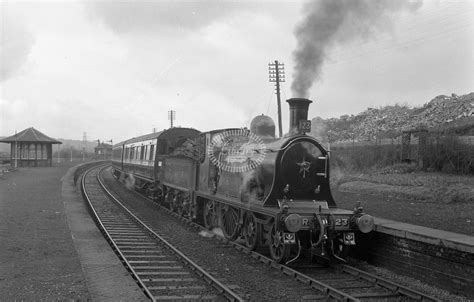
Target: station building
[
  {"x": 103, "y": 150},
  {"x": 30, "y": 148}
]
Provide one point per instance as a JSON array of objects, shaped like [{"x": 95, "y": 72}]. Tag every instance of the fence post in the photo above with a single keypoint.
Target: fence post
[
  {"x": 422, "y": 137},
  {"x": 406, "y": 139}
]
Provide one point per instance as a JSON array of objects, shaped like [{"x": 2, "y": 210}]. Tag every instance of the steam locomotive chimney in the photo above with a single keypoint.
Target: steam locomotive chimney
[{"x": 298, "y": 111}]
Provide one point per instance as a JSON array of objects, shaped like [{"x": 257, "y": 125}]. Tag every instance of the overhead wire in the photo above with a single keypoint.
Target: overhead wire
[{"x": 426, "y": 34}]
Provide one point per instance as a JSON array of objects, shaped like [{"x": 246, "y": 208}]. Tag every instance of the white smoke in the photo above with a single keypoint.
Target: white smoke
[{"x": 16, "y": 42}]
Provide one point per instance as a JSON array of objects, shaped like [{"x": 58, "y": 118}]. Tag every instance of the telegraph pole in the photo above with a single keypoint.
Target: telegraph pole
[
  {"x": 16, "y": 151},
  {"x": 171, "y": 117},
  {"x": 276, "y": 72}
]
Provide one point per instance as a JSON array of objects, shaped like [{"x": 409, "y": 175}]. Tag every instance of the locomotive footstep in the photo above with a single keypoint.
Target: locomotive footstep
[{"x": 207, "y": 234}]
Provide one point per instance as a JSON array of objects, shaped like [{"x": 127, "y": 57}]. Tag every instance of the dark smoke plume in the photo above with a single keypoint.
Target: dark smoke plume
[{"x": 331, "y": 22}]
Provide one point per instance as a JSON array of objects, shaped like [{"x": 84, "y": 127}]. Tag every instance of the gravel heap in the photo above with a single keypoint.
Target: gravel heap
[{"x": 391, "y": 121}]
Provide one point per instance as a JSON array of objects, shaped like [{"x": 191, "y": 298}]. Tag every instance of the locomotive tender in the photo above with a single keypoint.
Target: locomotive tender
[{"x": 266, "y": 190}]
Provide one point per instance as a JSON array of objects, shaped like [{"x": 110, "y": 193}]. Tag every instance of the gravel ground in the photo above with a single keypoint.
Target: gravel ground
[
  {"x": 434, "y": 200},
  {"x": 38, "y": 260},
  {"x": 451, "y": 217}
]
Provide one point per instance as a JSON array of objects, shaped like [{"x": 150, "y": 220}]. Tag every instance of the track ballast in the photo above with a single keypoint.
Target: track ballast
[{"x": 161, "y": 270}]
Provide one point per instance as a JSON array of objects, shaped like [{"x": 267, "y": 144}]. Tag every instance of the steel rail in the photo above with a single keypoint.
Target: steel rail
[
  {"x": 333, "y": 292},
  {"x": 400, "y": 289},
  {"x": 107, "y": 235},
  {"x": 319, "y": 285},
  {"x": 326, "y": 289},
  {"x": 219, "y": 286}
]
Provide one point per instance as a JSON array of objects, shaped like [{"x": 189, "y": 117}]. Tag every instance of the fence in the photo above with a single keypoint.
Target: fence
[{"x": 430, "y": 151}]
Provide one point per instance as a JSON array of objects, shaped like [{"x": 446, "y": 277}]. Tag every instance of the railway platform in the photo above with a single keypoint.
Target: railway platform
[
  {"x": 50, "y": 247},
  {"x": 455, "y": 241}
]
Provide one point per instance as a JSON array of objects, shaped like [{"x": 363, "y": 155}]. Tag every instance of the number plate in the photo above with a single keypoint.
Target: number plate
[
  {"x": 349, "y": 238},
  {"x": 305, "y": 126},
  {"x": 289, "y": 238},
  {"x": 342, "y": 222}
]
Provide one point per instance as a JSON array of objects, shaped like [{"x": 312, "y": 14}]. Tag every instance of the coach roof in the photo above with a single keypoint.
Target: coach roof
[{"x": 151, "y": 136}]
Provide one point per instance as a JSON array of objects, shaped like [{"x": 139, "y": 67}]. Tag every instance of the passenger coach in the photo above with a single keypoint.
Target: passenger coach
[{"x": 140, "y": 159}]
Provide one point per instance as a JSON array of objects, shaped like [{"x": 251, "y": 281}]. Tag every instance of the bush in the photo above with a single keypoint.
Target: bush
[
  {"x": 364, "y": 157},
  {"x": 449, "y": 154}
]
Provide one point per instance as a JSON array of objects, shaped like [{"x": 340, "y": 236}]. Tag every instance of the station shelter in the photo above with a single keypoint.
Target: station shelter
[{"x": 30, "y": 148}]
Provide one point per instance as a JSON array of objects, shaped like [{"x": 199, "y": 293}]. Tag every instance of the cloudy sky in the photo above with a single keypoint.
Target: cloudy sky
[{"x": 114, "y": 69}]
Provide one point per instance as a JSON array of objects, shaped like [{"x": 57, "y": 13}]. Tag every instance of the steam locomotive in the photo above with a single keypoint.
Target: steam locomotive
[{"x": 261, "y": 189}]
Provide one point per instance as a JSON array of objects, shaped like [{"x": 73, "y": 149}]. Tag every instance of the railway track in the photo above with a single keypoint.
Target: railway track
[
  {"x": 362, "y": 285},
  {"x": 160, "y": 269},
  {"x": 339, "y": 283}
]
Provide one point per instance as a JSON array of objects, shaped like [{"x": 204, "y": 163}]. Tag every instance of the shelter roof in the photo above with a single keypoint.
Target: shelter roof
[
  {"x": 103, "y": 146},
  {"x": 30, "y": 135}
]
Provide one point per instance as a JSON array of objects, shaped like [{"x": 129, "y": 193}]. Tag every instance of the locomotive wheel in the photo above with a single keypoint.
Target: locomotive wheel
[
  {"x": 210, "y": 214},
  {"x": 230, "y": 222},
  {"x": 278, "y": 249},
  {"x": 169, "y": 201},
  {"x": 149, "y": 191},
  {"x": 178, "y": 204},
  {"x": 251, "y": 232}
]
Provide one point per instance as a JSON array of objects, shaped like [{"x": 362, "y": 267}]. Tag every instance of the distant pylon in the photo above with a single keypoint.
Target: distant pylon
[{"x": 84, "y": 145}]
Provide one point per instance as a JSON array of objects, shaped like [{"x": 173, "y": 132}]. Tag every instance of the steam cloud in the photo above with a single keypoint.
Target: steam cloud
[
  {"x": 332, "y": 22},
  {"x": 16, "y": 42},
  {"x": 146, "y": 16}
]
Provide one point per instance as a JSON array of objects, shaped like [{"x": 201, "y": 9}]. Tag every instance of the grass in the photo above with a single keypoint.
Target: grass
[{"x": 405, "y": 182}]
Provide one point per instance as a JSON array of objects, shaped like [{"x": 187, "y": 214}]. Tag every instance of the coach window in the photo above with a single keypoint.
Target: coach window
[
  {"x": 152, "y": 149},
  {"x": 162, "y": 146}
]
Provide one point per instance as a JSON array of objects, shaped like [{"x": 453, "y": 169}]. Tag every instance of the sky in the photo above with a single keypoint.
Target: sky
[{"x": 114, "y": 69}]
